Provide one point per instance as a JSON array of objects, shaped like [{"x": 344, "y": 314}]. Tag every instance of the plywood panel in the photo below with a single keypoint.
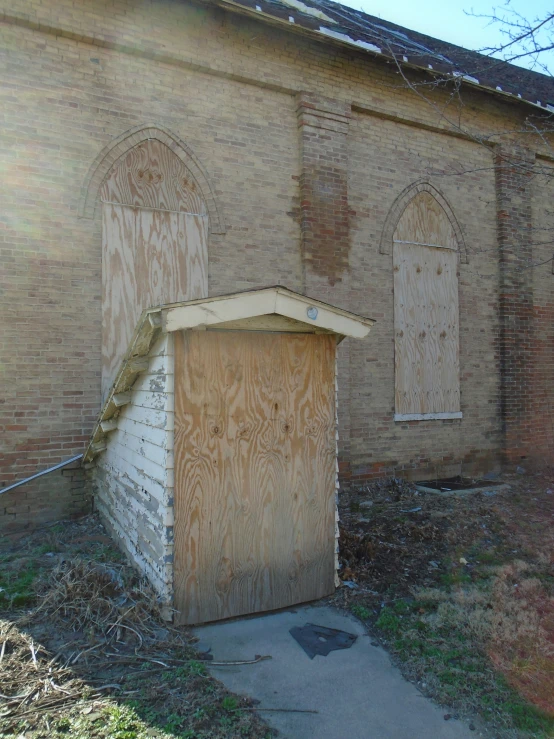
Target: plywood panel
[
  {"x": 424, "y": 221},
  {"x": 271, "y": 322},
  {"x": 150, "y": 175},
  {"x": 254, "y": 472},
  {"x": 426, "y": 330},
  {"x": 155, "y": 233},
  {"x": 150, "y": 257}
]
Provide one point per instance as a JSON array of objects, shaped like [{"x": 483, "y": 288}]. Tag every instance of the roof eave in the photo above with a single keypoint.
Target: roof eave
[
  {"x": 277, "y": 300},
  {"x": 352, "y": 46}
]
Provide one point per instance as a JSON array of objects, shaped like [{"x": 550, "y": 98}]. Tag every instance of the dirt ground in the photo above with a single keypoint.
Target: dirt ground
[
  {"x": 84, "y": 653},
  {"x": 460, "y": 588}
]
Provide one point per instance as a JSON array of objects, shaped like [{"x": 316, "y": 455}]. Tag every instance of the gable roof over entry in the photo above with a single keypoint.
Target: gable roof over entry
[
  {"x": 228, "y": 311},
  {"x": 267, "y": 309}
]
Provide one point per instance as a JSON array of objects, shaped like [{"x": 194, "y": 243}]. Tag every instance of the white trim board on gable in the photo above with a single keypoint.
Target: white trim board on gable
[{"x": 314, "y": 314}]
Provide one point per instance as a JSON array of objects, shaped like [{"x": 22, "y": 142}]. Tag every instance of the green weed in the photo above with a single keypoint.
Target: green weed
[
  {"x": 124, "y": 723},
  {"x": 16, "y": 588},
  {"x": 106, "y": 553},
  {"x": 173, "y": 723},
  {"x": 402, "y": 607},
  {"x": 360, "y": 612},
  {"x": 194, "y": 668},
  {"x": 528, "y": 718},
  {"x": 456, "y": 577},
  {"x": 63, "y": 724},
  {"x": 464, "y": 675},
  {"x": 490, "y": 557},
  {"x": 229, "y": 703},
  {"x": 47, "y": 548},
  {"x": 388, "y": 621}
]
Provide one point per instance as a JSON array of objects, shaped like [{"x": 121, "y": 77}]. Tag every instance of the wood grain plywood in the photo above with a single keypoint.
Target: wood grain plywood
[
  {"x": 155, "y": 244},
  {"x": 254, "y": 472},
  {"x": 271, "y": 322},
  {"x": 150, "y": 257},
  {"x": 424, "y": 221},
  {"x": 150, "y": 175},
  {"x": 426, "y": 330}
]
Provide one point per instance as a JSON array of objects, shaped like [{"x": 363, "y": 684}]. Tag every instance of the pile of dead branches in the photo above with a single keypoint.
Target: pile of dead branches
[
  {"x": 101, "y": 599},
  {"x": 96, "y": 639},
  {"x": 108, "y": 614}
]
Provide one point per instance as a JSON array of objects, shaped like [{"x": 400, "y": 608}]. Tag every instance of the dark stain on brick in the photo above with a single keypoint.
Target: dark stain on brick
[{"x": 325, "y": 216}]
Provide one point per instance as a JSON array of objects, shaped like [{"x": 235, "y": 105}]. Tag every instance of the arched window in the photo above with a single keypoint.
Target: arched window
[
  {"x": 426, "y": 330},
  {"x": 154, "y": 243}
]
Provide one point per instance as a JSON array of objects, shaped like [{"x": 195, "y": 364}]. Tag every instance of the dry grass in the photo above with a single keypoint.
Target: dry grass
[
  {"x": 32, "y": 682},
  {"x": 521, "y": 643},
  {"x": 471, "y": 618},
  {"x": 511, "y": 620},
  {"x": 89, "y": 656},
  {"x": 93, "y": 596}
]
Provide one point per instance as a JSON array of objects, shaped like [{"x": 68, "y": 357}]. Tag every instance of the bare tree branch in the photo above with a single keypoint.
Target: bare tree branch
[{"x": 525, "y": 38}]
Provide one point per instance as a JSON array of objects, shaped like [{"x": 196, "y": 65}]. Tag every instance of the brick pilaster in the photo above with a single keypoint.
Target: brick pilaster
[
  {"x": 323, "y": 126},
  {"x": 514, "y": 170}
]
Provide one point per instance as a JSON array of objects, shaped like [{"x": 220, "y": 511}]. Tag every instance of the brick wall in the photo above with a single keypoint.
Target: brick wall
[
  {"x": 541, "y": 424},
  {"x": 419, "y": 448},
  {"x": 306, "y": 145},
  {"x": 63, "y": 494},
  {"x": 514, "y": 172}
]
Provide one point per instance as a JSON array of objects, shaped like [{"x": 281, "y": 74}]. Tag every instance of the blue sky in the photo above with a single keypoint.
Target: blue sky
[{"x": 446, "y": 19}]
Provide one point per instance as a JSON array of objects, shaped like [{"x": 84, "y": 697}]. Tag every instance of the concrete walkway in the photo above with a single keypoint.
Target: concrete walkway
[{"x": 357, "y": 692}]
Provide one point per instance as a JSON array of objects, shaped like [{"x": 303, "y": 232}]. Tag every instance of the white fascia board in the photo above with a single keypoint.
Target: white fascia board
[
  {"x": 210, "y": 313},
  {"x": 313, "y": 313},
  {"x": 301, "y": 309}
]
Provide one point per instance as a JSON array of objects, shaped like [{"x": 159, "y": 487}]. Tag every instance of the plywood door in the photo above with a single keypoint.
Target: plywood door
[
  {"x": 254, "y": 472},
  {"x": 426, "y": 330}
]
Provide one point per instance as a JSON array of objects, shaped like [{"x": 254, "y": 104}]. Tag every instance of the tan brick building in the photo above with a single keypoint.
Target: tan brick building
[{"x": 319, "y": 160}]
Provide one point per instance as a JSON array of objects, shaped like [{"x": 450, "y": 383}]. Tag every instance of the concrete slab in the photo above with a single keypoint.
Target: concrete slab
[{"x": 357, "y": 692}]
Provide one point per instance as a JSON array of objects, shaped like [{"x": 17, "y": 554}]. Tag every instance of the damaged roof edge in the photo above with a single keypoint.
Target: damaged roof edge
[
  {"x": 147, "y": 331},
  {"x": 338, "y": 37}
]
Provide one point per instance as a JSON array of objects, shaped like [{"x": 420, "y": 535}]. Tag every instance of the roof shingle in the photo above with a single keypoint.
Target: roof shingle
[{"x": 366, "y": 32}]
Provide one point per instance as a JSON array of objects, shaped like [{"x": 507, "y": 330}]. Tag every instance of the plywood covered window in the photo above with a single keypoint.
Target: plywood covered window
[
  {"x": 425, "y": 257},
  {"x": 155, "y": 244}
]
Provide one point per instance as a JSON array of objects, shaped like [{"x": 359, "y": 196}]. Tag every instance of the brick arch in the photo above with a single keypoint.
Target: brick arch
[
  {"x": 120, "y": 146},
  {"x": 399, "y": 206}
]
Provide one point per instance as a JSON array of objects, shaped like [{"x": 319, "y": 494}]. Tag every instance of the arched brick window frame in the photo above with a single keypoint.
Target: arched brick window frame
[
  {"x": 120, "y": 146},
  {"x": 425, "y": 250},
  {"x": 399, "y": 206},
  {"x": 155, "y": 232}
]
